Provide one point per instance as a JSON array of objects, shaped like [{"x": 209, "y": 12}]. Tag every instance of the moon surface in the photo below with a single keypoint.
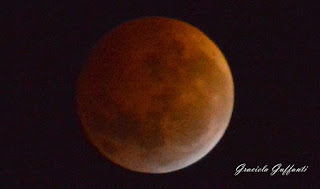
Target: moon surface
[{"x": 155, "y": 95}]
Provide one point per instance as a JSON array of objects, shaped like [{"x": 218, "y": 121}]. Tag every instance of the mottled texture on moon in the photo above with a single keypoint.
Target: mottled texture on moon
[{"x": 155, "y": 95}]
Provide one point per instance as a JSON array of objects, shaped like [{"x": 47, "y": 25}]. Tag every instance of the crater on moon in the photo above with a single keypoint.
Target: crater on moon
[{"x": 155, "y": 95}]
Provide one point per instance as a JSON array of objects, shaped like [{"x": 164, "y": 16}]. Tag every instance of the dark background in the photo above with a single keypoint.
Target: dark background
[{"x": 271, "y": 50}]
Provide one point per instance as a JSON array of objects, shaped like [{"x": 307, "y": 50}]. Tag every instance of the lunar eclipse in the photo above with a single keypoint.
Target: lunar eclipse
[{"x": 155, "y": 95}]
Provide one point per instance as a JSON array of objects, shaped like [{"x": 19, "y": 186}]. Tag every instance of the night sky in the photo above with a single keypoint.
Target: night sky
[{"x": 270, "y": 48}]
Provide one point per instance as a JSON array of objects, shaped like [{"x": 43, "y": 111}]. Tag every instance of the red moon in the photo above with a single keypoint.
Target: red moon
[{"x": 155, "y": 96}]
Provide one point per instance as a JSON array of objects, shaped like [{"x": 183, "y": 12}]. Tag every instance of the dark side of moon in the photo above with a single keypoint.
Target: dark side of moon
[{"x": 155, "y": 95}]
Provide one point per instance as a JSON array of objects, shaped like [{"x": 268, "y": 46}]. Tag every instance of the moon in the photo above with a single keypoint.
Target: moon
[{"x": 155, "y": 95}]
